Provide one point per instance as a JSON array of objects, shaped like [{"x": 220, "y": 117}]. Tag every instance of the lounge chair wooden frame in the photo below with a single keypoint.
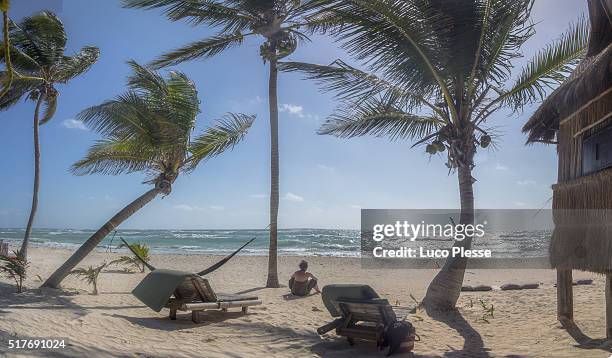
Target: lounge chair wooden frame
[
  {"x": 362, "y": 319},
  {"x": 196, "y": 295}
]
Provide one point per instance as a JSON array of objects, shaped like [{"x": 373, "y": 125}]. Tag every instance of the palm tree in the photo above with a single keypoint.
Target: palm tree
[
  {"x": 90, "y": 275},
  {"x": 149, "y": 129},
  {"x": 436, "y": 71},
  {"x": 281, "y": 24},
  {"x": 37, "y": 57}
]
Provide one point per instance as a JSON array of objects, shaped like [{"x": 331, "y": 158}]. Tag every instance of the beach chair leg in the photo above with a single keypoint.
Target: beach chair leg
[
  {"x": 173, "y": 315},
  {"x": 195, "y": 316},
  {"x": 350, "y": 340},
  {"x": 245, "y": 309},
  {"x": 224, "y": 310}
]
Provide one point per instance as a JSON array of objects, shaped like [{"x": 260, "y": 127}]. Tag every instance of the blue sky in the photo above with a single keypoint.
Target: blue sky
[{"x": 324, "y": 180}]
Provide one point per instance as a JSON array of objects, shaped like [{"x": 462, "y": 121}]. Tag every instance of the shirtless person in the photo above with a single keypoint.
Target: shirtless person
[{"x": 302, "y": 281}]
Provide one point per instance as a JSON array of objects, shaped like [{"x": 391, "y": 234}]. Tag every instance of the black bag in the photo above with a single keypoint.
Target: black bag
[{"x": 399, "y": 337}]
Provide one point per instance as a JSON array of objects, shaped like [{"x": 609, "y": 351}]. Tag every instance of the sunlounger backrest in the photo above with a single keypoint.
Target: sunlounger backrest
[
  {"x": 332, "y": 293},
  {"x": 204, "y": 290},
  {"x": 374, "y": 310}
]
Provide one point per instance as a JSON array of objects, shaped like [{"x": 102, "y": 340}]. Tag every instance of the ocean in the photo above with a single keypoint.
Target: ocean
[{"x": 295, "y": 242}]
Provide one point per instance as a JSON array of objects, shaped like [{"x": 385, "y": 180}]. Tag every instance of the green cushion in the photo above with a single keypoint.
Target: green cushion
[
  {"x": 331, "y": 293},
  {"x": 158, "y": 286}
]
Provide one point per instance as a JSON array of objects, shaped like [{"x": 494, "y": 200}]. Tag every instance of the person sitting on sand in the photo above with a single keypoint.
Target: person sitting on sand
[{"x": 303, "y": 281}]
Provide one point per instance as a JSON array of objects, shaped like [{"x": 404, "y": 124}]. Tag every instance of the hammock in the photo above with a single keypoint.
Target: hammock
[{"x": 201, "y": 273}]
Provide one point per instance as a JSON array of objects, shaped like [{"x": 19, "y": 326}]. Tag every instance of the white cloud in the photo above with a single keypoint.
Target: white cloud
[
  {"x": 257, "y": 196},
  {"x": 293, "y": 109},
  {"x": 527, "y": 182},
  {"x": 186, "y": 207},
  {"x": 518, "y": 203},
  {"x": 293, "y": 198},
  {"x": 255, "y": 100},
  {"x": 326, "y": 168},
  {"x": 74, "y": 124},
  {"x": 355, "y": 206},
  {"x": 500, "y": 167}
]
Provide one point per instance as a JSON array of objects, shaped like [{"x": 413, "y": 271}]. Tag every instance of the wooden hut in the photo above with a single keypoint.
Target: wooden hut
[{"x": 577, "y": 117}]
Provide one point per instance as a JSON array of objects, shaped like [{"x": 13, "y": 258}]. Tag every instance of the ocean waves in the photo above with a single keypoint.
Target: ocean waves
[{"x": 299, "y": 242}]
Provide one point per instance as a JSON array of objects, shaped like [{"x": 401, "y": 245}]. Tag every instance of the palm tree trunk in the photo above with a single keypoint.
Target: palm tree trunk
[
  {"x": 273, "y": 103},
  {"x": 444, "y": 290},
  {"x": 23, "y": 253},
  {"x": 56, "y": 278}
]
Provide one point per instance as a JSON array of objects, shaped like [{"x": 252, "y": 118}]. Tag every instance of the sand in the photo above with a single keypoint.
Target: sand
[{"x": 114, "y": 323}]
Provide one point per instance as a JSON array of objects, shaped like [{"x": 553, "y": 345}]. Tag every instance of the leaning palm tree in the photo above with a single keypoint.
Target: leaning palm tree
[
  {"x": 280, "y": 23},
  {"x": 436, "y": 72},
  {"x": 149, "y": 129},
  {"x": 36, "y": 56}
]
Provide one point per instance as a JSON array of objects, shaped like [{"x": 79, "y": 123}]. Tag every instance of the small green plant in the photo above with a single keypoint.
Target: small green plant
[
  {"x": 90, "y": 275},
  {"x": 132, "y": 261},
  {"x": 488, "y": 311},
  {"x": 15, "y": 268},
  {"x": 471, "y": 304}
]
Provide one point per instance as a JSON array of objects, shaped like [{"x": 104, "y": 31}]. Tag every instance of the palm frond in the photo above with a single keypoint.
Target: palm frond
[
  {"x": 116, "y": 156},
  {"x": 200, "y": 49},
  {"x": 89, "y": 274},
  {"x": 549, "y": 67},
  {"x": 508, "y": 29},
  {"x": 123, "y": 117},
  {"x": 224, "y": 135},
  {"x": 349, "y": 83},
  {"x": 41, "y": 37},
  {"x": 401, "y": 39},
  {"x": 141, "y": 250},
  {"x": 72, "y": 66},
  {"x": 212, "y": 12},
  {"x": 20, "y": 61},
  {"x": 50, "y": 107},
  {"x": 149, "y": 127},
  {"x": 182, "y": 100},
  {"x": 174, "y": 98},
  {"x": 145, "y": 81},
  {"x": 374, "y": 117},
  {"x": 20, "y": 87}
]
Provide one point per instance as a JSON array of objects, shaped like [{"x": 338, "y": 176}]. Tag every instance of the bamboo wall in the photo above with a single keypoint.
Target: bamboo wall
[
  {"x": 582, "y": 204},
  {"x": 570, "y": 146}
]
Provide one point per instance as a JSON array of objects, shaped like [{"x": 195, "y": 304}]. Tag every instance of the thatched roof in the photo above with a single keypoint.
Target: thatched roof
[{"x": 591, "y": 78}]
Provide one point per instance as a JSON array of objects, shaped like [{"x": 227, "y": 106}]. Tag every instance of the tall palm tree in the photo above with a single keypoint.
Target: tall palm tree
[
  {"x": 436, "y": 71},
  {"x": 149, "y": 129},
  {"x": 280, "y": 23},
  {"x": 36, "y": 55}
]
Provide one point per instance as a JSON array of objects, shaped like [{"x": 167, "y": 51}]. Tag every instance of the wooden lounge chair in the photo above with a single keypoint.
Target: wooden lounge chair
[
  {"x": 362, "y": 313},
  {"x": 184, "y": 291}
]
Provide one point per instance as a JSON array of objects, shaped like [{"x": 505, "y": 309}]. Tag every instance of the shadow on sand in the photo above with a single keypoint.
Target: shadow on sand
[
  {"x": 71, "y": 349},
  {"x": 584, "y": 341},
  {"x": 291, "y": 296},
  {"x": 473, "y": 345},
  {"x": 37, "y": 299},
  {"x": 183, "y": 321},
  {"x": 255, "y": 289}
]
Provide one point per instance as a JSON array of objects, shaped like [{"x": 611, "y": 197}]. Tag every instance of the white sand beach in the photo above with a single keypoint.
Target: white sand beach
[{"x": 114, "y": 323}]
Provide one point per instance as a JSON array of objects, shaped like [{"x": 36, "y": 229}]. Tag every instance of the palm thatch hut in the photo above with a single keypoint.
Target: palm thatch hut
[{"x": 577, "y": 117}]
